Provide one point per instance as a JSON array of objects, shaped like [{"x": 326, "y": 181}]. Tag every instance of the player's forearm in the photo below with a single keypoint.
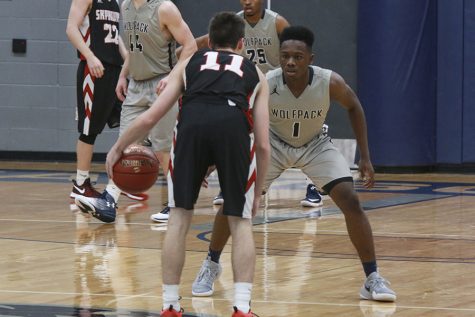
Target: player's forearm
[
  {"x": 262, "y": 163},
  {"x": 122, "y": 49},
  {"x": 138, "y": 130},
  {"x": 202, "y": 41},
  {"x": 124, "y": 72},
  {"x": 77, "y": 41},
  {"x": 358, "y": 123},
  {"x": 188, "y": 49}
]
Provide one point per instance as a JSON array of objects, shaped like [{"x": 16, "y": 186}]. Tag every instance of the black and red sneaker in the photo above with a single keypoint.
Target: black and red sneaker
[
  {"x": 238, "y": 313},
  {"x": 86, "y": 189},
  {"x": 171, "y": 312}
]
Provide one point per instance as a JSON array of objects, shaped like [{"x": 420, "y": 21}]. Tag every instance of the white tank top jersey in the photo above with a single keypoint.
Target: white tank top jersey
[
  {"x": 261, "y": 41},
  {"x": 151, "y": 54},
  {"x": 296, "y": 121}
]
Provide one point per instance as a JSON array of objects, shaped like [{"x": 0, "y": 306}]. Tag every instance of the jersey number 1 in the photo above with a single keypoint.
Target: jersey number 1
[
  {"x": 212, "y": 63},
  {"x": 296, "y": 129}
]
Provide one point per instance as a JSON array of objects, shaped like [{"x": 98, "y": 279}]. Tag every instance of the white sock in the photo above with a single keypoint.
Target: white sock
[
  {"x": 242, "y": 296},
  {"x": 81, "y": 176},
  {"x": 170, "y": 297},
  {"x": 113, "y": 190}
]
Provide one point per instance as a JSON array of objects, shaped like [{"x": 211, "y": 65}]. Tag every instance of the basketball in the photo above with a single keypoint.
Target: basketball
[{"x": 137, "y": 170}]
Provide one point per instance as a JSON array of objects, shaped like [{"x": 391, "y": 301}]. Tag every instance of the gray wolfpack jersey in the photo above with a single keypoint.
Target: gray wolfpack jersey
[
  {"x": 261, "y": 41},
  {"x": 150, "y": 52},
  {"x": 296, "y": 121}
]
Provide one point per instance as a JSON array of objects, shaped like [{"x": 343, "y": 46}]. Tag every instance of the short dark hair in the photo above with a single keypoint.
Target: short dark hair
[
  {"x": 298, "y": 33},
  {"x": 225, "y": 30}
]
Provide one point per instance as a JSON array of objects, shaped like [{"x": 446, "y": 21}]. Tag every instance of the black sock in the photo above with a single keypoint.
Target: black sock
[
  {"x": 370, "y": 267},
  {"x": 214, "y": 255}
]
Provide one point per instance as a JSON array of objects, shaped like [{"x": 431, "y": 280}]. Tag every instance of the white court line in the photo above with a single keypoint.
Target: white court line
[
  {"x": 258, "y": 229},
  {"x": 146, "y": 295},
  {"x": 380, "y": 234},
  {"x": 74, "y": 221}
]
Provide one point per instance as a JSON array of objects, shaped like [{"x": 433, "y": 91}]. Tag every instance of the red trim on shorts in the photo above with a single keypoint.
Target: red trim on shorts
[
  {"x": 252, "y": 179},
  {"x": 85, "y": 37},
  {"x": 89, "y": 91}
]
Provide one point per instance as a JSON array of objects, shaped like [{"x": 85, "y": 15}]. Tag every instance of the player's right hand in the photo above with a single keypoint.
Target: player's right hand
[
  {"x": 121, "y": 88},
  {"x": 95, "y": 66},
  {"x": 112, "y": 157},
  {"x": 161, "y": 85}
]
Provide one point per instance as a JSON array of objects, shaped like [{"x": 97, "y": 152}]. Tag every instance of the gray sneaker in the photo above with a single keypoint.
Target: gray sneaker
[
  {"x": 377, "y": 288},
  {"x": 204, "y": 282}
]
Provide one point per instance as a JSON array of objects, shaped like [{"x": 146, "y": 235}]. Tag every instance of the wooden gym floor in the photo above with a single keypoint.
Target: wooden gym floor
[{"x": 58, "y": 262}]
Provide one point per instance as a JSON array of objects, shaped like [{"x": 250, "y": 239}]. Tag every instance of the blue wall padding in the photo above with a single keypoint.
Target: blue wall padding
[
  {"x": 397, "y": 58},
  {"x": 468, "y": 155},
  {"x": 450, "y": 81}
]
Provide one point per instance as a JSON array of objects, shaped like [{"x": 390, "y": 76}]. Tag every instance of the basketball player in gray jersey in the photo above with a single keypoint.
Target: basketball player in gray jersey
[
  {"x": 261, "y": 43},
  {"x": 261, "y": 46},
  {"x": 152, "y": 28},
  {"x": 300, "y": 96}
]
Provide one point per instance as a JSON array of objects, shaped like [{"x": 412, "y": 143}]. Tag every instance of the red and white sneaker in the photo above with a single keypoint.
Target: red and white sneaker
[
  {"x": 238, "y": 313},
  {"x": 137, "y": 197},
  {"x": 171, "y": 312},
  {"x": 86, "y": 189}
]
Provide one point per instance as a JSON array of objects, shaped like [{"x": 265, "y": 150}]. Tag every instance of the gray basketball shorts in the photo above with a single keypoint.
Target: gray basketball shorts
[
  {"x": 319, "y": 159},
  {"x": 140, "y": 96}
]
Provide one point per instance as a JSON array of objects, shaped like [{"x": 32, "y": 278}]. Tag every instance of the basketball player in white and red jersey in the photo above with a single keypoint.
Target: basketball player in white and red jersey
[
  {"x": 93, "y": 29},
  {"x": 223, "y": 121},
  {"x": 261, "y": 45}
]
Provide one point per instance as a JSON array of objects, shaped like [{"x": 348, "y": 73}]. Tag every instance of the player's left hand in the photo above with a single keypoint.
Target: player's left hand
[
  {"x": 161, "y": 85},
  {"x": 208, "y": 172},
  {"x": 366, "y": 173},
  {"x": 255, "y": 205}
]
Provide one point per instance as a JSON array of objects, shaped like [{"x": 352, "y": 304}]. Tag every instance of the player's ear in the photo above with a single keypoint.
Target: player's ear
[
  {"x": 240, "y": 44},
  {"x": 312, "y": 57}
]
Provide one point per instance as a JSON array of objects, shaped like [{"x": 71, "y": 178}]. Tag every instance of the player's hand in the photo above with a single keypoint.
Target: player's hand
[
  {"x": 95, "y": 66},
  {"x": 255, "y": 205},
  {"x": 121, "y": 88},
  {"x": 366, "y": 173},
  {"x": 208, "y": 172},
  {"x": 161, "y": 85},
  {"x": 112, "y": 157}
]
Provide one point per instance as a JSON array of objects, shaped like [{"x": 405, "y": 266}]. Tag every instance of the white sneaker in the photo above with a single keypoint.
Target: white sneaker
[
  {"x": 161, "y": 216},
  {"x": 218, "y": 200},
  {"x": 204, "y": 282},
  {"x": 377, "y": 288}
]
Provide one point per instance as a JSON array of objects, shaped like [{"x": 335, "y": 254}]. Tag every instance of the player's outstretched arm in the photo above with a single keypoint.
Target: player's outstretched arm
[
  {"x": 261, "y": 137},
  {"x": 140, "y": 127},
  {"x": 346, "y": 97}
]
